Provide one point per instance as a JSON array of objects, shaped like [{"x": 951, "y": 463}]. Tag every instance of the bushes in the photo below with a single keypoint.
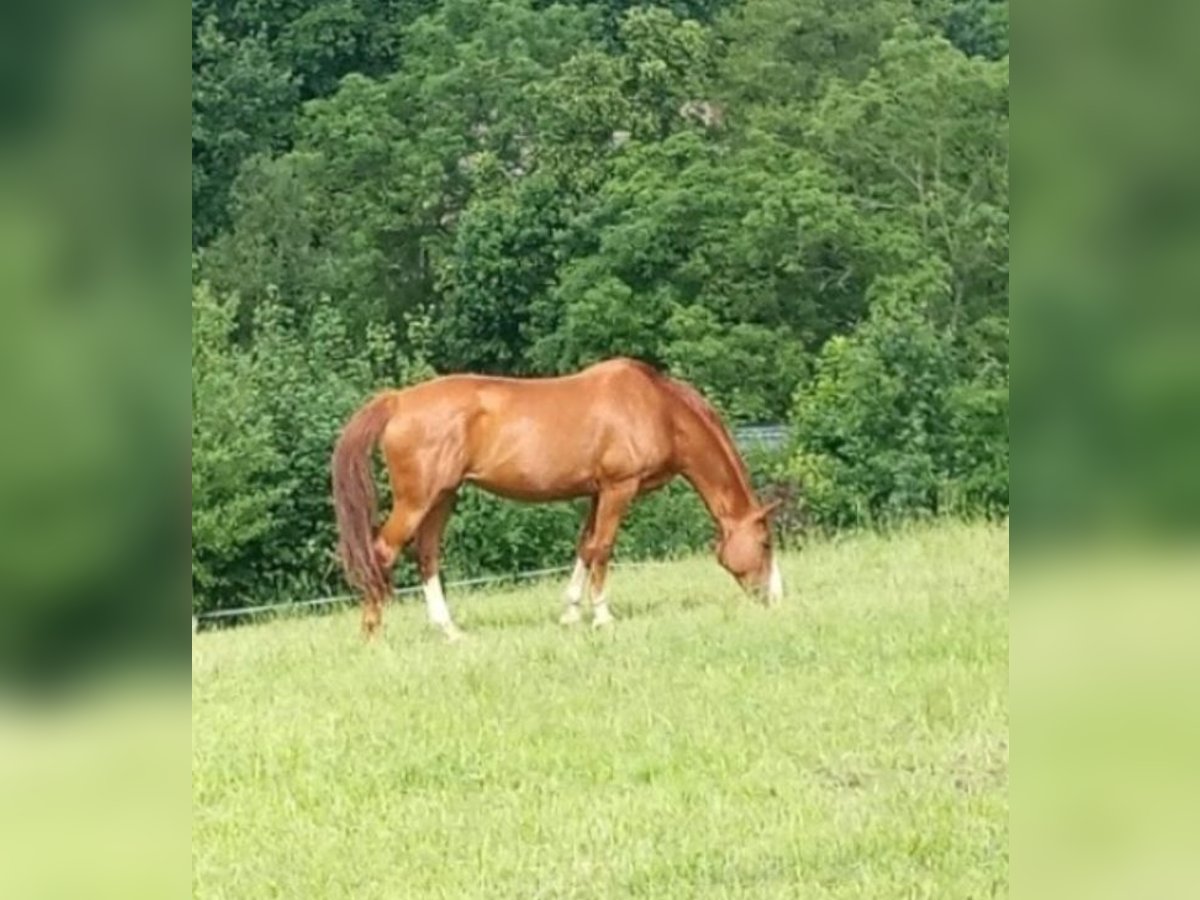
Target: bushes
[
  {"x": 235, "y": 465},
  {"x": 900, "y": 422},
  {"x": 264, "y": 419},
  {"x": 489, "y": 535}
]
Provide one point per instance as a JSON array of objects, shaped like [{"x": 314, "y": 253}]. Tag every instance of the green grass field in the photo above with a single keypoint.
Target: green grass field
[{"x": 852, "y": 743}]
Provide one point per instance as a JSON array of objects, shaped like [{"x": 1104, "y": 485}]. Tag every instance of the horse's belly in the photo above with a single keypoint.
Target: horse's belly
[
  {"x": 534, "y": 490},
  {"x": 536, "y": 457}
]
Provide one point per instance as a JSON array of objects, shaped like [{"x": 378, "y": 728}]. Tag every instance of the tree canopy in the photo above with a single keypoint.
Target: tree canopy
[{"x": 800, "y": 206}]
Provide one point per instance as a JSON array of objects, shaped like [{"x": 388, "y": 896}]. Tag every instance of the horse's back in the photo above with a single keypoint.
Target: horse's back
[
  {"x": 540, "y": 438},
  {"x": 605, "y": 388},
  {"x": 615, "y": 393}
]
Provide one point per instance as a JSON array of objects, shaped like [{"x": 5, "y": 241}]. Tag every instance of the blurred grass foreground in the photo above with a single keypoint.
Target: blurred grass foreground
[{"x": 93, "y": 423}]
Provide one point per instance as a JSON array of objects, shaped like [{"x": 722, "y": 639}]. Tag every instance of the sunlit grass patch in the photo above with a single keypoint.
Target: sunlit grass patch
[{"x": 852, "y": 743}]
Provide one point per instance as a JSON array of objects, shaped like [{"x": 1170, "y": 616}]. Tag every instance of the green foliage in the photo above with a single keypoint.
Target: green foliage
[
  {"x": 890, "y": 428},
  {"x": 488, "y": 535},
  {"x": 976, "y": 27},
  {"x": 503, "y": 255},
  {"x": 668, "y": 62},
  {"x": 799, "y": 206},
  {"x": 235, "y": 465},
  {"x": 265, "y": 416},
  {"x": 781, "y": 52},
  {"x": 365, "y": 207},
  {"x": 736, "y": 367},
  {"x": 705, "y": 258},
  {"x": 310, "y": 377},
  {"x": 924, "y": 139},
  {"x": 242, "y": 103}
]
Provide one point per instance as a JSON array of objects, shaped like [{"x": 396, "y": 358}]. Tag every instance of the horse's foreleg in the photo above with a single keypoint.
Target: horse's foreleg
[
  {"x": 428, "y": 549},
  {"x": 573, "y": 596},
  {"x": 611, "y": 506}
]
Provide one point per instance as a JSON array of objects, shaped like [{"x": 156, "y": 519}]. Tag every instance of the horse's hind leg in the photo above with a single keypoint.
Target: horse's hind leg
[
  {"x": 372, "y": 614},
  {"x": 428, "y": 548},
  {"x": 573, "y": 596},
  {"x": 390, "y": 540}
]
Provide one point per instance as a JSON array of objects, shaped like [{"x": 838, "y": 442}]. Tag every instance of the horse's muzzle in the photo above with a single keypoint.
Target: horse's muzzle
[
  {"x": 767, "y": 591},
  {"x": 774, "y": 583}
]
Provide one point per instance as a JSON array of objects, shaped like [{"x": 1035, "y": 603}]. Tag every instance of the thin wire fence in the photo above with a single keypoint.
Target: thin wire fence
[
  {"x": 247, "y": 612},
  {"x": 768, "y": 437}
]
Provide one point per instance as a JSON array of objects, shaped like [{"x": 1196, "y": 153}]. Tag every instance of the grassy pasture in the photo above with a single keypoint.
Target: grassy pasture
[{"x": 852, "y": 743}]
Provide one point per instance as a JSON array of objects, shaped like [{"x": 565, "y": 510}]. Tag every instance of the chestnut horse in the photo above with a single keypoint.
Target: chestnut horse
[{"x": 610, "y": 432}]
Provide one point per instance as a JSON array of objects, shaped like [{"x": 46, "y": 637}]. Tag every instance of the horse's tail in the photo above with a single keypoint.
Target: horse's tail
[{"x": 354, "y": 495}]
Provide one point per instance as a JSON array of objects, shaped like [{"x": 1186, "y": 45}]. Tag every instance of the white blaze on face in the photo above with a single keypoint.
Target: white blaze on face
[{"x": 775, "y": 584}]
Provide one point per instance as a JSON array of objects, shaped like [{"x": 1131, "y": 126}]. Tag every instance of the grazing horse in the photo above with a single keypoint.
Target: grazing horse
[{"x": 610, "y": 432}]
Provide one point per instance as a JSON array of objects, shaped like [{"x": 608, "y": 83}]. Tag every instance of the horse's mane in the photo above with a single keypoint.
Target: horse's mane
[{"x": 694, "y": 401}]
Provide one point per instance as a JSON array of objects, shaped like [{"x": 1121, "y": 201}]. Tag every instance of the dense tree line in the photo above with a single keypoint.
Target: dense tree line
[{"x": 801, "y": 206}]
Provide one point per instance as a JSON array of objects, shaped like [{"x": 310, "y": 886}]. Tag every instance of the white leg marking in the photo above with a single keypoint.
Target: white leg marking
[
  {"x": 600, "y": 613},
  {"x": 574, "y": 594},
  {"x": 439, "y": 612},
  {"x": 578, "y": 579},
  {"x": 775, "y": 584}
]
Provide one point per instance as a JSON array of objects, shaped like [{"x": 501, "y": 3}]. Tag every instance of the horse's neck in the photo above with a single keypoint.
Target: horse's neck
[{"x": 714, "y": 471}]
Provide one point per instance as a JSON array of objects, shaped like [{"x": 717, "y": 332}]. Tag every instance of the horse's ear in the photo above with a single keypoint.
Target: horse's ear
[{"x": 767, "y": 511}]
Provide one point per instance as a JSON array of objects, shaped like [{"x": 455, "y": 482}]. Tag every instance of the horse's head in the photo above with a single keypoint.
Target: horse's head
[{"x": 745, "y": 549}]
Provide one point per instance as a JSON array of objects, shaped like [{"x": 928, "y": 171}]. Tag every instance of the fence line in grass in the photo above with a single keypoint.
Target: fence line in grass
[{"x": 250, "y": 611}]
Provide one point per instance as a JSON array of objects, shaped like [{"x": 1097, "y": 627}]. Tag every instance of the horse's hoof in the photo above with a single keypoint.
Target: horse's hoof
[
  {"x": 602, "y": 618},
  {"x": 571, "y": 616},
  {"x": 453, "y": 634}
]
